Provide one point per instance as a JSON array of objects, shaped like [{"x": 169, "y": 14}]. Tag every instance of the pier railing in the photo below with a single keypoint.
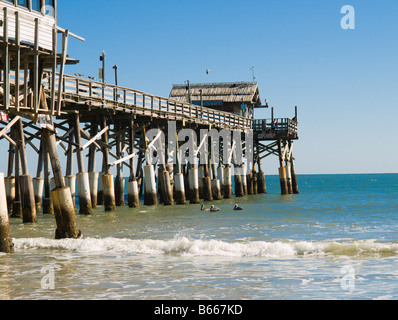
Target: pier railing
[
  {"x": 99, "y": 95},
  {"x": 277, "y": 126}
]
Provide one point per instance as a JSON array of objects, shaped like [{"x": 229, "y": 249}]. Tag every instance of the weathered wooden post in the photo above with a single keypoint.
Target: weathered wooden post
[
  {"x": 119, "y": 181},
  {"x": 207, "y": 192},
  {"x": 48, "y": 207},
  {"x": 92, "y": 175},
  {"x": 107, "y": 178},
  {"x": 10, "y": 192},
  {"x": 10, "y": 179},
  {"x": 150, "y": 197},
  {"x": 26, "y": 181},
  {"x": 132, "y": 185},
  {"x": 6, "y": 244},
  {"x": 168, "y": 193},
  {"x": 293, "y": 171},
  {"x": 38, "y": 181},
  {"x": 17, "y": 204},
  {"x": 216, "y": 189},
  {"x": 179, "y": 194},
  {"x": 244, "y": 181},
  {"x": 61, "y": 196},
  {"x": 201, "y": 175},
  {"x": 239, "y": 191},
  {"x": 216, "y": 183},
  {"x": 282, "y": 171},
  {"x": 70, "y": 179},
  {"x": 193, "y": 185},
  {"x": 249, "y": 182},
  {"x": 227, "y": 182},
  {"x": 220, "y": 177},
  {"x": 83, "y": 183},
  {"x": 261, "y": 184},
  {"x": 255, "y": 184}
]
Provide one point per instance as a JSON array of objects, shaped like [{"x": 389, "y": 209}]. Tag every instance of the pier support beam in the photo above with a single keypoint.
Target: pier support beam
[
  {"x": 119, "y": 181},
  {"x": 10, "y": 179},
  {"x": 119, "y": 191},
  {"x": 282, "y": 171},
  {"x": 167, "y": 189},
  {"x": 293, "y": 171},
  {"x": 48, "y": 207},
  {"x": 227, "y": 182},
  {"x": 179, "y": 194},
  {"x": 207, "y": 193},
  {"x": 62, "y": 199},
  {"x": 6, "y": 244},
  {"x": 150, "y": 197},
  {"x": 249, "y": 182},
  {"x": 26, "y": 181},
  {"x": 239, "y": 190},
  {"x": 133, "y": 196},
  {"x": 216, "y": 189},
  {"x": 107, "y": 178},
  {"x": 108, "y": 192},
  {"x": 70, "y": 181},
  {"x": 201, "y": 175},
  {"x": 92, "y": 175},
  {"x": 38, "y": 186},
  {"x": 93, "y": 182},
  {"x": 83, "y": 183},
  {"x": 193, "y": 186}
]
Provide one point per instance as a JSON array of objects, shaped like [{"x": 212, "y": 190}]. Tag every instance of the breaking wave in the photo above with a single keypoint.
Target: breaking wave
[{"x": 187, "y": 247}]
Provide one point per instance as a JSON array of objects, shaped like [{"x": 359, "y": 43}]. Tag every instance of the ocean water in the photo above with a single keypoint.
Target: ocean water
[{"x": 337, "y": 239}]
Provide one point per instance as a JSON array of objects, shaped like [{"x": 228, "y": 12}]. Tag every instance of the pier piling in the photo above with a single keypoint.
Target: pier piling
[
  {"x": 227, "y": 182},
  {"x": 108, "y": 192},
  {"x": 150, "y": 196},
  {"x": 179, "y": 194},
  {"x": 193, "y": 186},
  {"x": 133, "y": 194},
  {"x": 6, "y": 244}
]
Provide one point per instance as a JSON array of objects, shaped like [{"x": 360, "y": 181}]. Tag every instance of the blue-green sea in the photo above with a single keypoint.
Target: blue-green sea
[{"x": 337, "y": 239}]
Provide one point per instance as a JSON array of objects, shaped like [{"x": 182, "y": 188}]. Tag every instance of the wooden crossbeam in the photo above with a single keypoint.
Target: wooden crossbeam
[
  {"x": 123, "y": 160},
  {"x": 7, "y": 127},
  {"x": 91, "y": 141}
]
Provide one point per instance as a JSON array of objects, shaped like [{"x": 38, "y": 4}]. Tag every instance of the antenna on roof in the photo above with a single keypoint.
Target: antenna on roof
[{"x": 254, "y": 76}]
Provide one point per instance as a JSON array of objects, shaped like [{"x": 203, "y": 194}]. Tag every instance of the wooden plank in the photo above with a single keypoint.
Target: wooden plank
[
  {"x": 65, "y": 36},
  {"x": 6, "y": 61},
  {"x": 2, "y": 132},
  {"x": 18, "y": 59},
  {"x": 9, "y": 140},
  {"x": 95, "y": 138},
  {"x": 36, "y": 68},
  {"x": 123, "y": 160},
  {"x": 54, "y": 66}
]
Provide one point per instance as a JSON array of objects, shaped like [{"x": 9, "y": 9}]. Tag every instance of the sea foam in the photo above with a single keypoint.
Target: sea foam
[{"x": 187, "y": 247}]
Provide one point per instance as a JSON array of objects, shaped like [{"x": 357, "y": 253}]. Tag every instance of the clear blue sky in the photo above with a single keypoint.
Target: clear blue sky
[{"x": 345, "y": 82}]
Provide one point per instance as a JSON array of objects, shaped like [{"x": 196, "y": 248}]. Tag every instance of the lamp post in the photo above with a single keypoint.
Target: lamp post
[
  {"x": 116, "y": 93},
  {"x": 115, "y": 68},
  {"x": 102, "y": 72},
  {"x": 189, "y": 90}
]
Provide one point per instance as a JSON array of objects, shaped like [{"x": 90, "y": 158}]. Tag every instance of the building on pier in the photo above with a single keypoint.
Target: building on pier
[{"x": 239, "y": 98}]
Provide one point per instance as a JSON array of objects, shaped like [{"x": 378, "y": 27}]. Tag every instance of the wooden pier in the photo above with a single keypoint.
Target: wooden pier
[{"x": 45, "y": 109}]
